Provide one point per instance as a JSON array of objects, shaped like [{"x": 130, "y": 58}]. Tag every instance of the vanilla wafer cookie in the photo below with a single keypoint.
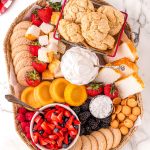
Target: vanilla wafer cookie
[
  {"x": 86, "y": 143},
  {"x": 78, "y": 144},
  {"x": 94, "y": 142}
]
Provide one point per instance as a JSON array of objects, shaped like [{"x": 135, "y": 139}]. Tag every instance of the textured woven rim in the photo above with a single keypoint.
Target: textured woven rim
[{"x": 7, "y": 52}]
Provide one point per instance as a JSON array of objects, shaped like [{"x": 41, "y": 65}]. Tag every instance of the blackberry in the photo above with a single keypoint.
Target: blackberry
[
  {"x": 88, "y": 129},
  {"x": 84, "y": 116},
  {"x": 93, "y": 124},
  {"x": 76, "y": 110},
  {"x": 106, "y": 120},
  {"x": 82, "y": 131},
  {"x": 104, "y": 125},
  {"x": 85, "y": 106}
]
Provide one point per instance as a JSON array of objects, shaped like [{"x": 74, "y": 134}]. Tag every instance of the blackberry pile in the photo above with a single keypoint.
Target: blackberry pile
[{"x": 88, "y": 122}]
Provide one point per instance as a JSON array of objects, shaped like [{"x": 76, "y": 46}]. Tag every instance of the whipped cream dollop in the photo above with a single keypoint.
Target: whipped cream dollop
[{"x": 78, "y": 66}]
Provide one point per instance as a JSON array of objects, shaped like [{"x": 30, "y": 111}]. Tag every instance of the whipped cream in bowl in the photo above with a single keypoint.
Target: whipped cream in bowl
[{"x": 78, "y": 66}]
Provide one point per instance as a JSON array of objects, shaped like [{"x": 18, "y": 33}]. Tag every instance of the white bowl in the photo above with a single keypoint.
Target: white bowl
[{"x": 48, "y": 106}]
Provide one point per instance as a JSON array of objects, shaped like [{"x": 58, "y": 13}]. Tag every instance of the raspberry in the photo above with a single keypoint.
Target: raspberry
[
  {"x": 20, "y": 117},
  {"x": 24, "y": 124},
  {"x": 27, "y": 129},
  {"x": 29, "y": 116},
  {"x": 22, "y": 110},
  {"x": 28, "y": 136}
]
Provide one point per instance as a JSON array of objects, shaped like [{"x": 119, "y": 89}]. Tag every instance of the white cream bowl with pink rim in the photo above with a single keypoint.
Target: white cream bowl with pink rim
[{"x": 50, "y": 106}]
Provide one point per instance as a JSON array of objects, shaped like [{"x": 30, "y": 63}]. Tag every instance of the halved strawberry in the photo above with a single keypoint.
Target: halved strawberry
[
  {"x": 35, "y": 19},
  {"x": 59, "y": 117},
  {"x": 36, "y": 136},
  {"x": 48, "y": 114},
  {"x": 71, "y": 128},
  {"x": 67, "y": 113},
  {"x": 51, "y": 126},
  {"x": 66, "y": 141},
  {"x": 42, "y": 141},
  {"x": 38, "y": 125},
  {"x": 73, "y": 133},
  {"x": 53, "y": 137},
  {"x": 34, "y": 48},
  {"x": 60, "y": 141},
  {"x": 45, "y": 127},
  {"x": 69, "y": 122},
  {"x": 76, "y": 122},
  {"x": 54, "y": 117},
  {"x": 37, "y": 118}
]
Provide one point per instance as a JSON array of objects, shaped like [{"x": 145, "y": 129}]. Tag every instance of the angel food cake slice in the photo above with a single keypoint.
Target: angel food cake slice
[
  {"x": 125, "y": 50},
  {"x": 129, "y": 85}
]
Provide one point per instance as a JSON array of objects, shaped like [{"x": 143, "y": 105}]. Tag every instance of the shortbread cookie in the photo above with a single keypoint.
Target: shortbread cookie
[
  {"x": 21, "y": 76},
  {"x": 20, "y": 56},
  {"x": 117, "y": 137},
  {"x": 22, "y": 25},
  {"x": 94, "y": 142},
  {"x": 20, "y": 41},
  {"x": 18, "y": 49},
  {"x": 75, "y": 9},
  {"x": 78, "y": 145},
  {"x": 114, "y": 16},
  {"x": 17, "y": 34},
  {"x": 109, "y": 137},
  {"x": 86, "y": 143},
  {"x": 100, "y": 139},
  {"x": 70, "y": 31},
  {"x": 23, "y": 63}
]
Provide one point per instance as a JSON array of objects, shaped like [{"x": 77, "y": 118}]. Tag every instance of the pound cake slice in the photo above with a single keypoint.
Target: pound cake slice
[
  {"x": 130, "y": 67},
  {"x": 126, "y": 49},
  {"x": 108, "y": 75},
  {"x": 129, "y": 85}
]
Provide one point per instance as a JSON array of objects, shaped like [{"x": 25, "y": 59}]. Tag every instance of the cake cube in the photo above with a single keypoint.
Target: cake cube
[
  {"x": 46, "y": 28},
  {"x": 43, "y": 40}
]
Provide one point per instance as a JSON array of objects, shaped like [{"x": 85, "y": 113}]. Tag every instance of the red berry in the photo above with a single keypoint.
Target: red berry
[
  {"x": 22, "y": 110},
  {"x": 24, "y": 124},
  {"x": 27, "y": 129},
  {"x": 20, "y": 118},
  {"x": 29, "y": 116},
  {"x": 28, "y": 136}
]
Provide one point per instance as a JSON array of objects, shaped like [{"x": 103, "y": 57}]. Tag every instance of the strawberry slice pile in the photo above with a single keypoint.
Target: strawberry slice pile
[
  {"x": 24, "y": 117},
  {"x": 56, "y": 129}
]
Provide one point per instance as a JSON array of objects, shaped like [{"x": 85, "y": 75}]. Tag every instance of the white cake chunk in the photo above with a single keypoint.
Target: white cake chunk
[
  {"x": 125, "y": 50},
  {"x": 43, "y": 40},
  {"x": 129, "y": 85},
  {"x": 53, "y": 47},
  {"x": 108, "y": 76},
  {"x": 42, "y": 54},
  {"x": 52, "y": 39},
  {"x": 46, "y": 28}
]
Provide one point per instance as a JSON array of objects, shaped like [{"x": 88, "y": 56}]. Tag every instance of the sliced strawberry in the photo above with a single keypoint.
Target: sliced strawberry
[
  {"x": 46, "y": 128},
  {"x": 64, "y": 129},
  {"x": 69, "y": 122},
  {"x": 71, "y": 128},
  {"x": 66, "y": 141},
  {"x": 45, "y": 14},
  {"x": 42, "y": 141},
  {"x": 73, "y": 133},
  {"x": 38, "y": 125},
  {"x": 67, "y": 113},
  {"x": 36, "y": 136},
  {"x": 45, "y": 135},
  {"x": 53, "y": 137},
  {"x": 37, "y": 118},
  {"x": 48, "y": 114},
  {"x": 59, "y": 117},
  {"x": 51, "y": 126},
  {"x": 60, "y": 141},
  {"x": 76, "y": 122},
  {"x": 54, "y": 117}
]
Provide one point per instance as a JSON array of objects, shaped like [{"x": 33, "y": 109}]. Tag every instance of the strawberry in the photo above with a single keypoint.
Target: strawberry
[
  {"x": 76, "y": 122},
  {"x": 22, "y": 110},
  {"x": 37, "y": 118},
  {"x": 29, "y": 116},
  {"x": 53, "y": 137},
  {"x": 69, "y": 122},
  {"x": 94, "y": 89},
  {"x": 35, "y": 18},
  {"x": 34, "y": 49},
  {"x": 42, "y": 141},
  {"x": 67, "y": 113},
  {"x": 51, "y": 126},
  {"x": 36, "y": 136},
  {"x": 45, "y": 127},
  {"x": 73, "y": 133},
  {"x": 45, "y": 14},
  {"x": 59, "y": 117},
  {"x": 38, "y": 125},
  {"x": 66, "y": 141},
  {"x": 60, "y": 141},
  {"x": 33, "y": 78},
  {"x": 39, "y": 65},
  {"x": 20, "y": 117},
  {"x": 111, "y": 91}
]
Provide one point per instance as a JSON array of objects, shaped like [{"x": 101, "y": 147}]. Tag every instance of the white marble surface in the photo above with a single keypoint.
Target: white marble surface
[{"x": 139, "y": 20}]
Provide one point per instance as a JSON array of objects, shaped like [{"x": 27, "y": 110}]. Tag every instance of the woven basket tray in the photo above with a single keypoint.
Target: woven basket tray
[{"x": 16, "y": 89}]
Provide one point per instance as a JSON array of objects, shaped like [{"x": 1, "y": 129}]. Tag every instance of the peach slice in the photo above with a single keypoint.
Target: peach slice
[
  {"x": 57, "y": 89},
  {"x": 41, "y": 93},
  {"x": 27, "y": 97}
]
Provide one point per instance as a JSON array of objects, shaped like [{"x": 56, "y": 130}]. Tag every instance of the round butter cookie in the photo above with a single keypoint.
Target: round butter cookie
[
  {"x": 86, "y": 143},
  {"x": 100, "y": 139},
  {"x": 115, "y": 18},
  {"x": 70, "y": 31},
  {"x": 20, "y": 41},
  {"x": 117, "y": 137},
  {"x": 17, "y": 34},
  {"x": 109, "y": 137},
  {"x": 78, "y": 145},
  {"x": 21, "y": 76},
  {"x": 75, "y": 9},
  {"x": 22, "y": 25},
  {"x": 23, "y": 63},
  {"x": 18, "y": 49},
  {"x": 21, "y": 55},
  {"x": 94, "y": 142}
]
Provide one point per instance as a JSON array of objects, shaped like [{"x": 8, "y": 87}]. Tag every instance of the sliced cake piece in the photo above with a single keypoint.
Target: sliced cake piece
[
  {"x": 129, "y": 85},
  {"x": 130, "y": 67},
  {"x": 108, "y": 75},
  {"x": 126, "y": 49}
]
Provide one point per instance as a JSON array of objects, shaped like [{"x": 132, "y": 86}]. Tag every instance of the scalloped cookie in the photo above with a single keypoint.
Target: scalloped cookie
[
  {"x": 78, "y": 145},
  {"x": 94, "y": 142},
  {"x": 86, "y": 143}
]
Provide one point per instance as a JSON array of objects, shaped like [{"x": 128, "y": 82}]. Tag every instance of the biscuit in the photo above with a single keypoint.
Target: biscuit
[
  {"x": 17, "y": 34},
  {"x": 22, "y": 25},
  {"x": 94, "y": 142},
  {"x": 23, "y": 63},
  {"x": 19, "y": 49},
  {"x": 78, "y": 145},
  {"x": 100, "y": 139},
  {"x": 21, "y": 76},
  {"x": 117, "y": 137},
  {"x": 109, "y": 137},
  {"x": 21, "y": 55},
  {"x": 20, "y": 41},
  {"x": 86, "y": 143}
]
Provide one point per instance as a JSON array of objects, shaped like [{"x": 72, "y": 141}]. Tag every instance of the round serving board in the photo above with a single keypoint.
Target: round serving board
[{"x": 16, "y": 89}]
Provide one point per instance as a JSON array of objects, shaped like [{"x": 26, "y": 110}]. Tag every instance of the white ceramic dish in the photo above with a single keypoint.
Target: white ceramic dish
[{"x": 48, "y": 106}]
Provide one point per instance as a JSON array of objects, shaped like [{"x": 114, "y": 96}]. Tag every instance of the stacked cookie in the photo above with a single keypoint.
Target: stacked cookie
[
  {"x": 22, "y": 58},
  {"x": 104, "y": 139}
]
